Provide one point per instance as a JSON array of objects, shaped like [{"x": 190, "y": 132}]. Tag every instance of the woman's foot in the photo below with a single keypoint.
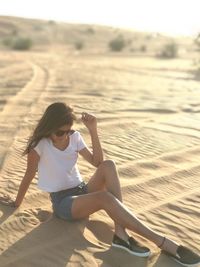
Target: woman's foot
[
  {"x": 131, "y": 245},
  {"x": 182, "y": 255}
]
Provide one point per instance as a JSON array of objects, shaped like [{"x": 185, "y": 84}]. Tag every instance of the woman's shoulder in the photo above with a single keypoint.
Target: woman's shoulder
[
  {"x": 75, "y": 137},
  {"x": 75, "y": 134},
  {"x": 42, "y": 145},
  {"x": 42, "y": 142}
]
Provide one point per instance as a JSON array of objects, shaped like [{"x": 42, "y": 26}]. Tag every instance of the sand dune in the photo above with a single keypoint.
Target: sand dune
[{"x": 152, "y": 108}]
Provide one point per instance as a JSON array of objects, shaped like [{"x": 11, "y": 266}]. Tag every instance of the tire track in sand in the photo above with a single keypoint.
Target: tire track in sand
[
  {"x": 18, "y": 106},
  {"x": 13, "y": 167},
  {"x": 15, "y": 121}
]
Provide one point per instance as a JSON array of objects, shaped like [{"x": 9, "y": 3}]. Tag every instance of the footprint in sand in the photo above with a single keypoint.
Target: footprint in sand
[
  {"x": 34, "y": 216},
  {"x": 6, "y": 199}
]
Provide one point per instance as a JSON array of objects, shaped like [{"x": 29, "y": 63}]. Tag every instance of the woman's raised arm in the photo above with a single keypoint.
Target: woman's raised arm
[{"x": 96, "y": 156}]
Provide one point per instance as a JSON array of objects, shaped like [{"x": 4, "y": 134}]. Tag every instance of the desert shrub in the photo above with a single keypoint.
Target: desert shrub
[
  {"x": 148, "y": 37},
  {"x": 18, "y": 43},
  {"x": 132, "y": 49},
  {"x": 196, "y": 71},
  {"x": 129, "y": 41},
  {"x": 197, "y": 62},
  {"x": 37, "y": 27},
  {"x": 7, "y": 42},
  {"x": 21, "y": 44},
  {"x": 51, "y": 22},
  {"x": 117, "y": 44},
  {"x": 170, "y": 50},
  {"x": 90, "y": 30},
  {"x": 197, "y": 41},
  {"x": 14, "y": 32},
  {"x": 79, "y": 45},
  {"x": 143, "y": 48}
]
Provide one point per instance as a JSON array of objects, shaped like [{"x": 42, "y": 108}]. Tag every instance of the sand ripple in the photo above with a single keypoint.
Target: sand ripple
[{"x": 147, "y": 124}]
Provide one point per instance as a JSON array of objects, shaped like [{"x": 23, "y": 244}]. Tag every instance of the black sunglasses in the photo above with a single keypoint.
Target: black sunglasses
[{"x": 60, "y": 133}]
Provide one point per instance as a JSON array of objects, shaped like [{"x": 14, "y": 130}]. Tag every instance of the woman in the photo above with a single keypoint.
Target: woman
[{"x": 53, "y": 150}]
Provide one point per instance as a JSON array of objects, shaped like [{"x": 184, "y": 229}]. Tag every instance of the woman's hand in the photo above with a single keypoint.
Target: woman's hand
[
  {"x": 7, "y": 200},
  {"x": 89, "y": 121},
  {"x": 95, "y": 157}
]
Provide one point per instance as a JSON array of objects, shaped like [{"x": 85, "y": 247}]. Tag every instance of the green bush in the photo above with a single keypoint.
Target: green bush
[
  {"x": 22, "y": 44},
  {"x": 117, "y": 44},
  {"x": 90, "y": 31},
  {"x": 79, "y": 45},
  {"x": 14, "y": 32},
  {"x": 143, "y": 48},
  {"x": 51, "y": 22},
  {"x": 197, "y": 74},
  {"x": 170, "y": 50},
  {"x": 197, "y": 41},
  {"x": 38, "y": 28},
  {"x": 196, "y": 71},
  {"x": 132, "y": 49},
  {"x": 7, "y": 42},
  {"x": 18, "y": 43}
]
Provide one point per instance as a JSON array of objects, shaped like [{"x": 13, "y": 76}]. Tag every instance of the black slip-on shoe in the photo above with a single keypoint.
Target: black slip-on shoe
[
  {"x": 131, "y": 246},
  {"x": 185, "y": 257}
]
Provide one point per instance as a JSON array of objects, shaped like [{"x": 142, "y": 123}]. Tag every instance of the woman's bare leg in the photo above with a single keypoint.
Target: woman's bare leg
[
  {"x": 85, "y": 205},
  {"x": 106, "y": 177}
]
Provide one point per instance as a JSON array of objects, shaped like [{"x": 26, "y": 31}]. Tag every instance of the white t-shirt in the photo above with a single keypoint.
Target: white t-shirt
[{"x": 57, "y": 169}]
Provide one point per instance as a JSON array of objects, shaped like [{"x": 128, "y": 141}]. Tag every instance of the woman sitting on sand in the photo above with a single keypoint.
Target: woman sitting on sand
[{"x": 53, "y": 150}]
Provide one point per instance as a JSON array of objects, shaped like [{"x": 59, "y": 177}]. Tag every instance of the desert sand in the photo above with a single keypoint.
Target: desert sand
[{"x": 148, "y": 120}]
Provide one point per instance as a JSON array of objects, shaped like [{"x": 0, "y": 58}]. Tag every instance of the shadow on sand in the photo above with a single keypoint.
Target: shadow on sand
[{"x": 57, "y": 243}]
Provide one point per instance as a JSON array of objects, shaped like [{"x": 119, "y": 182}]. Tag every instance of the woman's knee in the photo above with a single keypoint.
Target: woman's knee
[
  {"x": 107, "y": 164},
  {"x": 105, "y": 198}
]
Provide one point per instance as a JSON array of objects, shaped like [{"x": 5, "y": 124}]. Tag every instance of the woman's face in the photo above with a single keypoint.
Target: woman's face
[{"x": 61, "y": 133}]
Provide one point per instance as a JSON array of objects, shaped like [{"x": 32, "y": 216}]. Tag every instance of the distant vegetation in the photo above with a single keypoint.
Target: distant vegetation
[
  {"x": 169, "y": 50},
  {"x": 18, "y": 43},
  {"x": 143, "y": 48},
  {"x": 51, "y": 22},
  {"x": 38, "y": 28},
  {"x": 117, "y": 44},
  {"x": 197, "y": 71},
  {"x": 197, "y": 41},
  {"x": 79, "y": 45},
  {"x": 197, "y": 62},
  {"x": 90, "y": 30},
  {"x": 90, "y": 38}
]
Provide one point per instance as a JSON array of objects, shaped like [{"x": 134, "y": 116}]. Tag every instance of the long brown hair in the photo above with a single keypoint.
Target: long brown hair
[{"x": 55, "y": 116}]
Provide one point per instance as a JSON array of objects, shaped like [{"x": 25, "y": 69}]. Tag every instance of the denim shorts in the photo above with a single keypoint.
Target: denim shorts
[{"x": 62, "y": 200}]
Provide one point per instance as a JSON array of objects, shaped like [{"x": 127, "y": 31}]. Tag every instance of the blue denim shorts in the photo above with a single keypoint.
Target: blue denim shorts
[{"x": 62, "y": 200}]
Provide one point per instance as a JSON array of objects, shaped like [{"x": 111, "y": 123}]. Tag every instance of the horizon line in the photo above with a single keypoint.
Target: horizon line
[{"x": 165, "y": 33}]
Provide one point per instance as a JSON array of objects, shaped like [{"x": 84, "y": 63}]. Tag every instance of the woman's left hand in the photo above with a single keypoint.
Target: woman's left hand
[{"x": 89, "y": 120}]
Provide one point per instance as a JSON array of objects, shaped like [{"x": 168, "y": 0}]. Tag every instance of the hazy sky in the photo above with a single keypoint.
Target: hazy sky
[{"x": 168, "y": 16}]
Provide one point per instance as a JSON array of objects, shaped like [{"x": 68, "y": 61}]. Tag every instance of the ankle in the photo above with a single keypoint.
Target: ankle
[
  {"x": 122, "y": 234},
  {"x": 168, "y": 246},
  {"x": 162, "y": 243}
]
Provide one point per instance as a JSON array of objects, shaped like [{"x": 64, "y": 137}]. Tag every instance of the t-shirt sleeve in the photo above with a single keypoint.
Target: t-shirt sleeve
[
  {"x": 80, "y": 142},
  {"x": 39, "y": 147}
]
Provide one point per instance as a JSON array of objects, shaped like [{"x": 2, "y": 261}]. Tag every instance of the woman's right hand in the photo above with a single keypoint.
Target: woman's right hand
[
  {"x": 7, "y": 200},
  {"x": 89, "y": 120}
]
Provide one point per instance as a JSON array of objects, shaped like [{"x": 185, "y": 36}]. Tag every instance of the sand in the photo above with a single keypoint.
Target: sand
[{"x": 148, "y": 120}]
